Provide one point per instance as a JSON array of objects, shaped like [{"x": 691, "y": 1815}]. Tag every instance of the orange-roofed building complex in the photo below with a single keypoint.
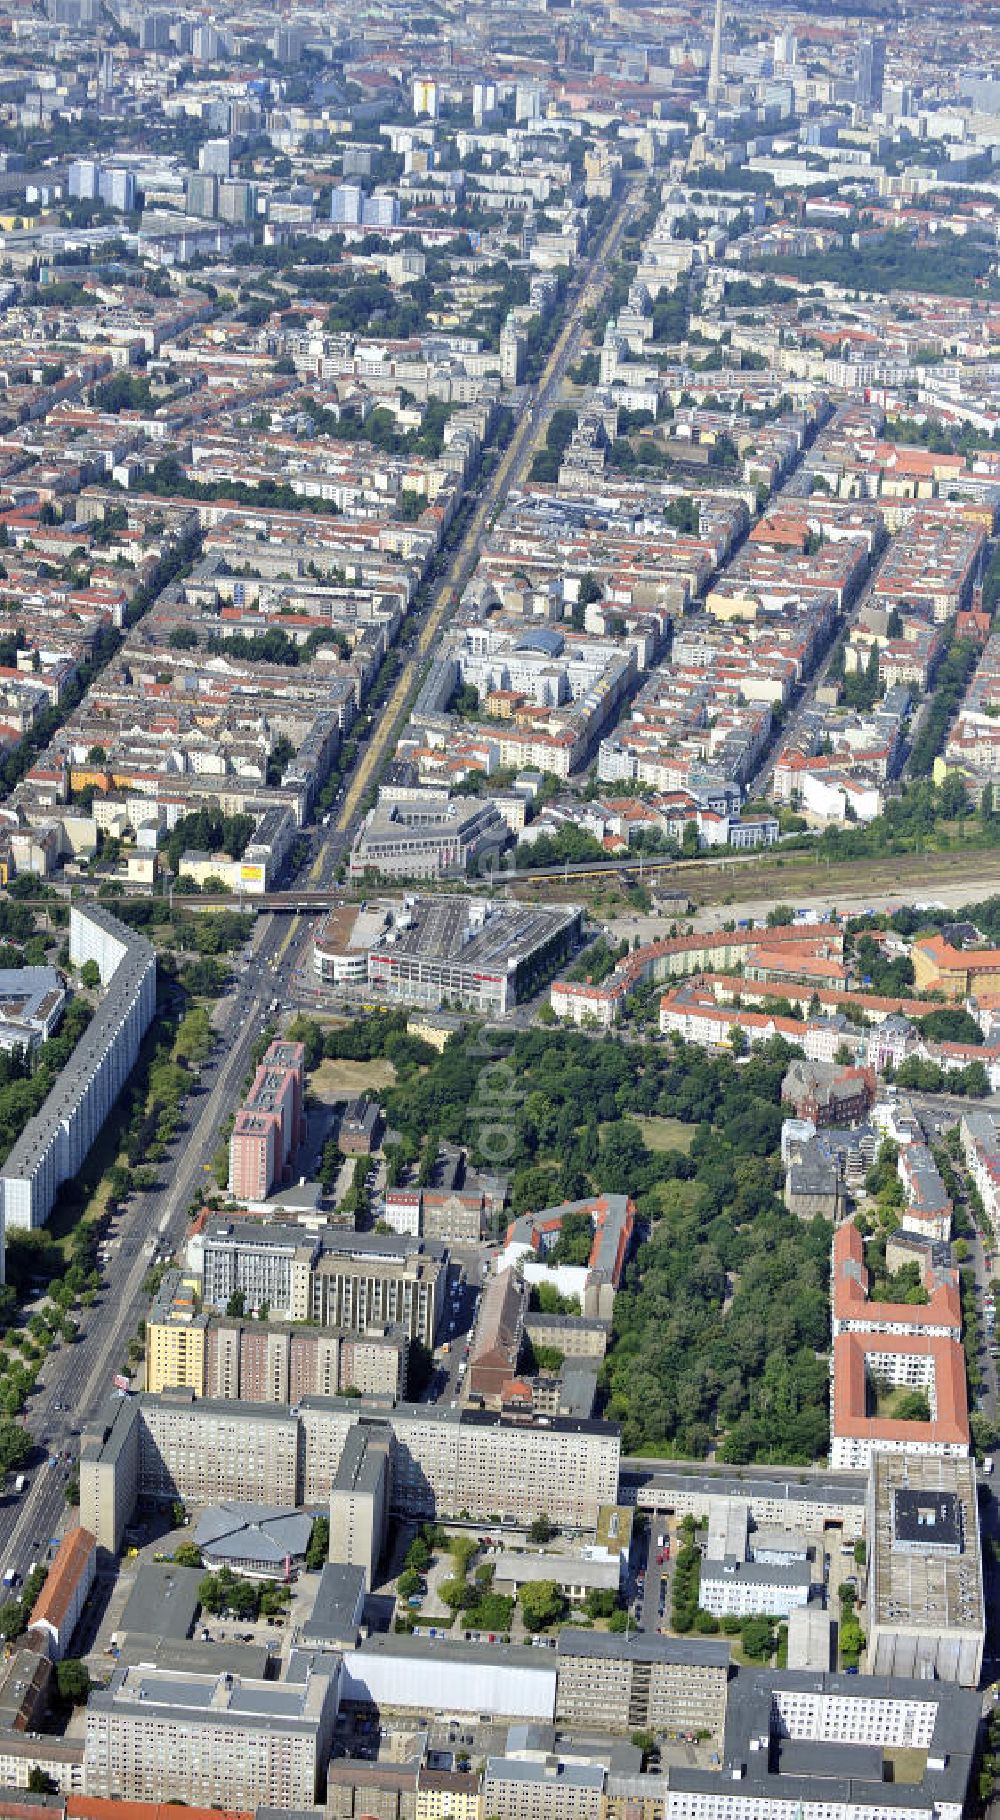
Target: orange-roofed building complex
[
  {"x": 863, "y": 1363},
  {"x": 940, "y": 1317},
  {"x": 57, "y": 1609},
  {"x": 957, "y": 972}
]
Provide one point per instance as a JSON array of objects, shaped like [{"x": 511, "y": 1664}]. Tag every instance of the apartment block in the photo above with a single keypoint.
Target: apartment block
[
  {"x": 211, "y": 1740},
  {"x": 175, "y": 1338},
  {"x": 641, "y": 1682},
  {"x": 445, "y": 1461},
  {"x": 865, "y": 1366},
  {"x": 53, "y": 1144},
  {"x": 359, "y": 1498},
  {"x": 268, "y": 1126}
]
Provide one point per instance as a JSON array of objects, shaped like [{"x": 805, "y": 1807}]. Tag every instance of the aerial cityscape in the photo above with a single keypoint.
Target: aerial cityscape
[{"x": 500, "y": 910}]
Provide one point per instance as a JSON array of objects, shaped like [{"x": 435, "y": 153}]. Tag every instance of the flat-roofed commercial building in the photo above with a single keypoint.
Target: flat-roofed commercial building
[
  {"x": 355, "y": 1281},
  {"x": 214, "y": 1740},
  {"x": 364, "y": 1280},
  {"x": 925, "y": 1579},
  {"x": 827, "y": 1746},
  {"x": 428, "y": 1674},
  {"x": 263, "y": 1264}
]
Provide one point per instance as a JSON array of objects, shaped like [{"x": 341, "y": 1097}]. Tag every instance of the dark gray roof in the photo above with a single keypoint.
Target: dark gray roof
[
  {"x": 163, "y": 1602},
  {"x": 643, "y": 1646},
  {"x": 253, "y": 1533},
  {"x": 337, "y": 1605}
]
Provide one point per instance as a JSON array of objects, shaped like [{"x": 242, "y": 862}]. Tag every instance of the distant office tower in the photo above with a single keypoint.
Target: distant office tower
[
  {"x": 871, "y": 72},
  {"x": 216, "y": 155},
  {"x": 116, "y": 188},
  {"x": 786, "y": 48},
  {"x": 425, "y": 96},
  {"x": 512, "y": 351},
  {"x": 237, "y": 202},
  {"x": 715, "y": 62},
  {"x": 288, "y": 43},
  {"x": 356, "y": 161},
  {"x": 154, "y": 32},
  {"x": 107, "y": 71},
  {"x": 203, "y": 194},
  {"x": 208, "y": 45},
  {"x": 81, "y": 179},
  {"x": 484, "y": 101},
  {"x": 380, "y": 210},
  {"x": 527, "y": 102},
  {"x": 345, "y": 204}
]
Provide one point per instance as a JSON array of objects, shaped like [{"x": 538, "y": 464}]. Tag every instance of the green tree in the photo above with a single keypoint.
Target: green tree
[
  {"x": 318, "y": 1551},
  {"x": 90, "y": 975},
  {"x": 15, "y": 1447},
  {"x": 73, "y": 1680},
  {"x": 542, "y": 1529},
  {"x": 541, "y": 1604}
]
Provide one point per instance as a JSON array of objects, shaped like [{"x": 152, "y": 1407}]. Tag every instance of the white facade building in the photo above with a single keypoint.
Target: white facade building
[{"x": 53, "y": 1144}]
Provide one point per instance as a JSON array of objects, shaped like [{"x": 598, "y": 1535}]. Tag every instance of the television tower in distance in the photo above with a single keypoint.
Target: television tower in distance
[{"x": 715, "y": 63}]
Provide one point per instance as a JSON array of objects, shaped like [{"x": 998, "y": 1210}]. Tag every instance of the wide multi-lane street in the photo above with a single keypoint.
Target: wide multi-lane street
[{"x": 76, "y": 1379}]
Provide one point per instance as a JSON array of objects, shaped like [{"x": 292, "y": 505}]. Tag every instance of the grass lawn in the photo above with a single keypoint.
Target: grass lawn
[
  {"x": 894, "y": 1404},
  {"x": 664, "y": 1134},
  {"x": 345, "y": 1080},
  {"x": 905, "y": 1765}
]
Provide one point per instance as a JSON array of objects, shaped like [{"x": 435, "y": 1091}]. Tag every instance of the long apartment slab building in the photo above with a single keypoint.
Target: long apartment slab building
[
  {"x": 444, "y": 1461},
  {"x": 265, "y": 1361},
  {"x": 53, "y": 1145},
  {"x": 349, "y": 1280},
  {"x": 227, "y": 1740}
]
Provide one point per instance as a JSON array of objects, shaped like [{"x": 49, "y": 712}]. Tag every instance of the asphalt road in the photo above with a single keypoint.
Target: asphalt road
[
  {"x": 591, "y": 285},
  {"x": 79, "y": 1377}
]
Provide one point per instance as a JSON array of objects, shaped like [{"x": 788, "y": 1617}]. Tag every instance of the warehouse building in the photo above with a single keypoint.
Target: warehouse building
[
  {"x": 425, "y": 1674},
  {"x": 926, "y": 1614}
]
